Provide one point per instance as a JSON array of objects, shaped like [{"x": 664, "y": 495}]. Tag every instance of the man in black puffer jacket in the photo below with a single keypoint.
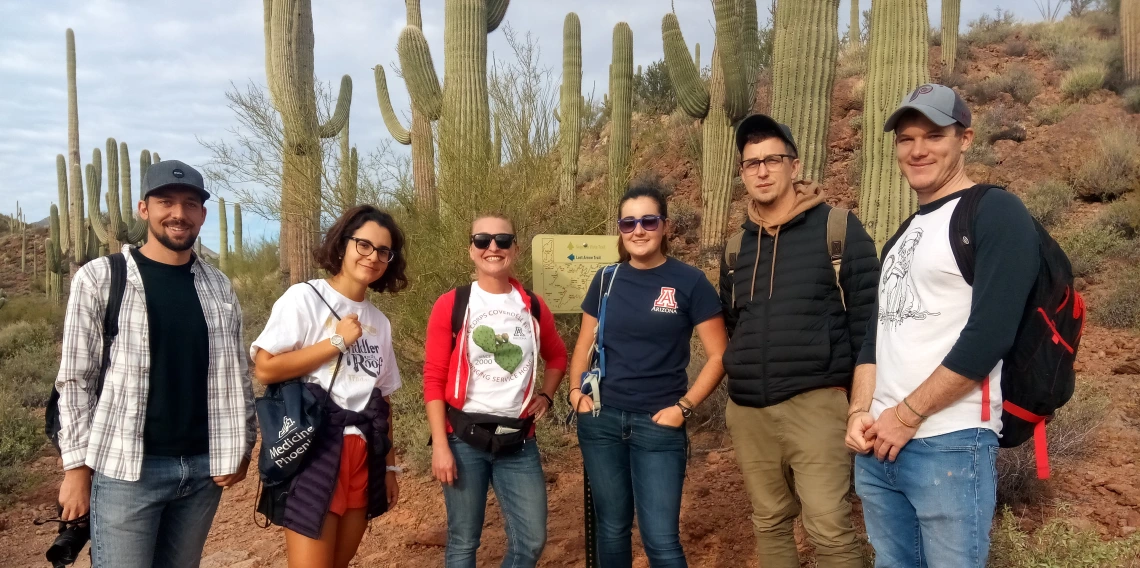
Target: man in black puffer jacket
[{"x": 796, "y": 327}]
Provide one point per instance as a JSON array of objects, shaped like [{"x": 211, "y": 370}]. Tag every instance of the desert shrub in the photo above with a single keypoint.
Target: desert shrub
[
  {"x": 1132, "y": 100},
  {"x": 1057, "y": 544},
  {"x": 1016, "y": 48},
  {"x": 27, "y": 376},
  {"x": 852, "y": 61},
  {"x": 1122, "y": 306},
  {"x": 257, "y": 281},
  {"x": 989, "y": 126},
  {"x": 990, "y": 30},
  {"x": 1018, "y": 81},
  {"x": 21, "y": 437},
  {"x": 1048, "y": 201},
  {"x": 935, "y": 37},
  {"x": 1083, "y": 81},
  {"x": 1068, "y": 436},
  {"x": 25, "y": 336},
  {"x": 1089, "y": 247},
  {"x": 1114, "y": 167},
  {"x": 31, "y": 308},
  {"x": 955, "y": 80},
  {"x": 1053, "y": 114},
  {"x": 653, "y": 91},
  {"x": 1124, "y": 216}
]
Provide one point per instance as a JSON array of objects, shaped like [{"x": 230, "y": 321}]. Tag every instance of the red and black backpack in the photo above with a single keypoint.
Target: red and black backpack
[{"x": 1037, "y": 374}]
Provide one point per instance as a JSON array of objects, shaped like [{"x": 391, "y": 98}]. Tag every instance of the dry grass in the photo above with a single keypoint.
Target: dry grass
[
  {"x": 1089, "y": 248},
  {"x": 1018, "y": 81},
  {"x": 1083, "y": 81},
  {"x": 1124, "y": 216},
  {"x": 1058, "y": 544},
  {"x": 1113, "y": 170},
  {"x": 1048, "y": 201},
  {"x": 1132, "y": 100},
  {"x": 1121, "y": 308}
]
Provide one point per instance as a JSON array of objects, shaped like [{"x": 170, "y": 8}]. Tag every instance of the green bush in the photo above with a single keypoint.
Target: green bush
[
  {"x": 1018, "y": 81},
  {"x": 1113, "y": 170},
  {"x": 652, "y": 90},
  {"x": 1053, "y": 114},
  {"x": 1057, "y": 544},
  {"x": 25, "y": 336},
  {"x": 1121, "y": 309},
  {"x": 1132, "y": 100},
  {"x": 21, "y": 437},
  {"x": 27, "y": 376},
  {"x": 31, "y": 308},
  {"x": 1048, "y": 201},
  {"x": 990, "y": 30},
  {"x": 1124, "y": 216},
  {"x": 1083, "y": 81},
  {"x": 1089, "y": 247},
  {"x": 852, "y": 61},
  {"x": 1016, "y": 48}
]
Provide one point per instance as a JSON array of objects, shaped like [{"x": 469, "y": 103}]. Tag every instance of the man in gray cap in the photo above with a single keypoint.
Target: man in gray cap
[
  {"x": 926, "y": 406},
  {"x": 797, "y": 285},
  {"x": 173, "y": 424}
]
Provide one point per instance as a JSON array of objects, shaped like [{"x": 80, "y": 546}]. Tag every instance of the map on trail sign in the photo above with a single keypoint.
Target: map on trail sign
[{"x": 564, "y": 266}]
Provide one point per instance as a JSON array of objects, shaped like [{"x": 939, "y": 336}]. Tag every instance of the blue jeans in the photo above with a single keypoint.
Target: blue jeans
[
  {"x": 635, "y": 462},
  {"x": 933, "y": 506},
  {"x": 520, "y": 487},
  {"x": 161, "y": 520}
]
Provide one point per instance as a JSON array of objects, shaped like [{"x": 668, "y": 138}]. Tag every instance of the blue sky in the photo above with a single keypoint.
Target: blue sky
[{"x": 154, "y": 73}]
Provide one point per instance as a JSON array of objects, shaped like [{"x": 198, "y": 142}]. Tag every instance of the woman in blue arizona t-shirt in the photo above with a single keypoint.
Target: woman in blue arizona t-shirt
[{"x": 635, "y": 447}]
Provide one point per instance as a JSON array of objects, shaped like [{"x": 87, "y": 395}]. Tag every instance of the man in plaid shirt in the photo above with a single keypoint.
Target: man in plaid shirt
[{"x": 175, "y": 421}]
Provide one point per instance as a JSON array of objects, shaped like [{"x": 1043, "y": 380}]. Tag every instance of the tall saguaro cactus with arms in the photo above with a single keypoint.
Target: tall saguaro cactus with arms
[
  {"x": 897, "y": 63},
  {"x": 420, "y": 136},
  {"x": 807, "y": 42},
  {"x": 726, "y": 99},
  {"x": 461, "y": 105},
  {"x": 289, "y": 66}
]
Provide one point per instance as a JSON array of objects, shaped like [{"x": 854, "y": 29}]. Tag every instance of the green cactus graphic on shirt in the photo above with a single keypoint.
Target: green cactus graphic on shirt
[{"x": 507, "y": 354}]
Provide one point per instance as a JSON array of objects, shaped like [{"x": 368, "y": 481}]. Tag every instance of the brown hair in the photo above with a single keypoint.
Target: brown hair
[
  {"x": 652, "y": 190},
  {"x": 330, "y": 254}
]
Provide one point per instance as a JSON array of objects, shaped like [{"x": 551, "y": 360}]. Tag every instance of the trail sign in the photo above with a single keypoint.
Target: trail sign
[{"x": 564, "y": 266}]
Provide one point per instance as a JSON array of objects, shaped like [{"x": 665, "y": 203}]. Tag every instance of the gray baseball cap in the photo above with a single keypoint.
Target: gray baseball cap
[
  {"x": 939, "y": 103},
  {"x": 762, "y": 122},
  {"x": 171, "y": 173}
]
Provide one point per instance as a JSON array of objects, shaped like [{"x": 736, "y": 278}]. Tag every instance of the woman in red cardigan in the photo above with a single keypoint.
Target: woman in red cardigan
[{"x": 480, "y": 385}]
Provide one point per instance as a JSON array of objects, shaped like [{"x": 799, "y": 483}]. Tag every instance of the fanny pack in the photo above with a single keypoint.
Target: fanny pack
[{"x": 498, "y": 435}]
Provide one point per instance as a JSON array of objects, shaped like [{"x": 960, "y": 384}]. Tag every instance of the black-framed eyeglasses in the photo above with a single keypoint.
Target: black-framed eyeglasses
[
  {"x": 365, "y": 248},
  {"x": 648, "y": 222},
  {"x": 482, "y": 241},
  {"x": 773, "y": 162}
]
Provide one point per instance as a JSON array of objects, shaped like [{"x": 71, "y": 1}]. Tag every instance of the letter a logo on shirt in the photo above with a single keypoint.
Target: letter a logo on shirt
[{"x": 667, "y": 299}]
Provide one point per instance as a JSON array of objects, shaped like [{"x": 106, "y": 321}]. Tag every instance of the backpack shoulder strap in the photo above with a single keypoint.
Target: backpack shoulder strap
[
  {"x": 962, "y": 229},
  {"x": 837, "y": 243},
  {"x": 535, "y": 305},
  {"x": 459, "y": 309},
  {"x": 111, "y": 314},
  {"x": 732, "y": 250},
  {"x": 898, "y": 234}
]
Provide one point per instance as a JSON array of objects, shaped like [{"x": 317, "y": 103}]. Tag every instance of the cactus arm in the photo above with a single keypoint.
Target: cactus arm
[
  {"x": 114, "y": 219},
  {"x": 353, "y": 178},
  {"x": 728, "y": 37},
  {"x": 238, "y": 250},
  {"x": 62, "y": 240},
  {"x": 397, "y": 130},
  {"x": 223, "y": 236},
  {"x": 419, "y": 72},
  {"x": 496, "y": 11},
  {"x": 78, "y": 219},
  {"x": 692, "y": 94},
  {"x": 95, "y": 212},
  {"x": 144, "y": 165},
  {"x": 750, "y": 45},
  {"x": 156, "y": 157},
  {"x": 697, "y": 56},
  {"x": 339, "y": 117},
  {"x": 497, "y": 145}
]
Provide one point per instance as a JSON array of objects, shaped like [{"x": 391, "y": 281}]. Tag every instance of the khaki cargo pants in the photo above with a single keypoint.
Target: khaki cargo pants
[{"x": 794, "y": 460}]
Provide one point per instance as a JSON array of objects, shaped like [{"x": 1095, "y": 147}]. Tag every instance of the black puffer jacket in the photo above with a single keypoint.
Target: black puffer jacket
[{"x": 794, "y": 336}]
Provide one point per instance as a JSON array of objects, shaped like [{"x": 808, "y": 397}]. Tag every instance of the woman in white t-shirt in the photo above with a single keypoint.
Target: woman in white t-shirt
[
  {"x": 350, "y": 476},
  {"x": 480, "y": 384}
]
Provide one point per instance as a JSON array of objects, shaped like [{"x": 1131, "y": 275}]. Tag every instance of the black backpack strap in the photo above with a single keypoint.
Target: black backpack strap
[
  {"x": 111, "y": 314},
  {"x": 898, "y": 234},
  {"x": 962, "y": 229},
  {"x": 340, "y": 357},
  {"x": 535, "y": 305},
  {"x": 459, "y": 309}
]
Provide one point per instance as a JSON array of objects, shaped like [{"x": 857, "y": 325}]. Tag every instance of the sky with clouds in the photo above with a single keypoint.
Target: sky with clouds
[{"x": 154, "y": 73}]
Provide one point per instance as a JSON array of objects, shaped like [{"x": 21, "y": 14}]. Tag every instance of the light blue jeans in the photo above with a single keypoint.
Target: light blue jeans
[
  {"x": 933, "y": 506},
  {"x": 520, "y": 488},
  {"x": 159, "y": 521}
]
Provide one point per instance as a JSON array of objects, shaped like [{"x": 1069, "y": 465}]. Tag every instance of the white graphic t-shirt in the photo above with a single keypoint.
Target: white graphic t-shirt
[
  {"x": 500, "y": 350},
  {"x": 301, "y": 319}
]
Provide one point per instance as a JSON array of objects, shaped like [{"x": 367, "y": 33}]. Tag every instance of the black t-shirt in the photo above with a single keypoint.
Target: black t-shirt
[
  {"x": 650, "y": 316},
  {"x": 177, "y": 416}
]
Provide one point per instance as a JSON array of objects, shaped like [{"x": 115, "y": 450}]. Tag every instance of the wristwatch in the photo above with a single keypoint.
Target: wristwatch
[
  {"x": 685, "y": 412},
  {"x": 338, "y": 342}
]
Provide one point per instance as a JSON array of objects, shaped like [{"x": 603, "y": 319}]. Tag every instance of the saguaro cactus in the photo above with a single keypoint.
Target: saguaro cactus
[
  {"x": 112, "y": 232},
  {"x": 349, "y": 168},
  {"x": 621, "y": 114},
  {"x": 570, "y": 108},
  {"x": 223, "y": 236},
  {"x": 719, "y": 104},
  {"x": 134, "y": 229},
  {"x": 1130, "y": 37},
  {"x": 238, "y": 249},
  {"x": 53, "y": 277},
  {"x": 289, "y": 42},
  {"x": 854, "y": 35},
  {"x": 462, "y": 105},
  {"x": 897, "y": 63},
  {"x": 420, "y": 136},
  {"x": 63, "y": 240},
  {"x": 807, "y": 42},
  {"x": 73, "y": 221},
  {"x": 951, "y": 16}
]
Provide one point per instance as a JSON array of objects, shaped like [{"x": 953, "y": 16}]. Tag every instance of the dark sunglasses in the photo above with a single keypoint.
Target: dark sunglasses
[
  {"x": 648, "y": 222},
  {"x": 365, "y": 248},
  {"x": 483, "y": 240}
]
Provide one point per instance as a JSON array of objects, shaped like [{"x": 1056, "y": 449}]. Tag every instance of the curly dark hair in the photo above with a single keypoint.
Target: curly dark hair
[{"x": 330, "y": 255}]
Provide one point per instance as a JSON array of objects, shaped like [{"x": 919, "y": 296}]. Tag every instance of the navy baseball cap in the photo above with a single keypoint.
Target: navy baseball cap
[
  {"x": 172, "y": 173},
  {"x": 939, "y": 103},
  {"x": 763, "y": 123}
]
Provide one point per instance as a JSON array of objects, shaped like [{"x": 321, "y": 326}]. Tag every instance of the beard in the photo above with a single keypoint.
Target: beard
[{"x": 176, "y": 245}]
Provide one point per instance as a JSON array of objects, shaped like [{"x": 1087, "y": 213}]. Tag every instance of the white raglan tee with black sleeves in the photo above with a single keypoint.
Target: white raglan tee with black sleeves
[{"x": 928, "y": 316}]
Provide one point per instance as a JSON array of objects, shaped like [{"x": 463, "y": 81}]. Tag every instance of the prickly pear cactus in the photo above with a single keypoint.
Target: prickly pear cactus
[
  {"x": 509, "y": 357},
  {"x": 484, "y": 337}
]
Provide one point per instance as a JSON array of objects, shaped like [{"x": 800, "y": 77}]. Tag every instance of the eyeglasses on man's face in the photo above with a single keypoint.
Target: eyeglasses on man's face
[{"x": 773, "y": 162}]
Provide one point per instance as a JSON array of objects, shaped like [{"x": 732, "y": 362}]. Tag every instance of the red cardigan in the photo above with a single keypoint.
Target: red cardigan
[{"x": 445, "y": 379}]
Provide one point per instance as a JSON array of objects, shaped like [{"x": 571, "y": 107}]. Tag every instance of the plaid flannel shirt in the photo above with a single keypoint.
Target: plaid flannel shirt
[{"x": 107, "y": 433}]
